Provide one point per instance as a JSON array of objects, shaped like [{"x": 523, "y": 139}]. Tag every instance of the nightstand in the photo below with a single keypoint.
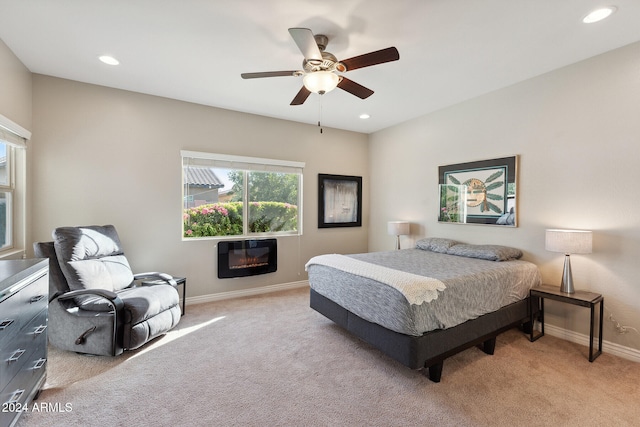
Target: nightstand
[{"x": 581, "y": 298}]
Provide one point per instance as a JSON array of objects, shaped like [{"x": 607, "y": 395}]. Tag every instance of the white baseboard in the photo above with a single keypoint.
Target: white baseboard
[
  {"x": 246, "y": 292},
  {"x": 607, "y": 347}
]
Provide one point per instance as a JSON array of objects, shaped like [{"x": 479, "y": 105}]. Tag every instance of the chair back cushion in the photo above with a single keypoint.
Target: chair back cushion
[{"x": 91, "y": 257}]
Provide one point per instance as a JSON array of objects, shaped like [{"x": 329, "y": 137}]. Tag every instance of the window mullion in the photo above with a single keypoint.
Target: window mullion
[{"x": 245, "y": 198}]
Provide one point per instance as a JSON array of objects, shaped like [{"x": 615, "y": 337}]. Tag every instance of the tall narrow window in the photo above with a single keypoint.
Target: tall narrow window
[
  {"x": 240, "y": 196},
  {"x": 12, "y": 186},
  {"x": 6, "y": 195}
]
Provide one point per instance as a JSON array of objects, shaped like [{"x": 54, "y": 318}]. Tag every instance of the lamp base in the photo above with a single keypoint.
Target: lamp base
[
  {"x": 397, "y": 242},
  {"x": 566, "y": 286}
]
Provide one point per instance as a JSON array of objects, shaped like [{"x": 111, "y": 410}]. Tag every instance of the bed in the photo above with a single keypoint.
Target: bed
[{"x": 422, "y": 305}]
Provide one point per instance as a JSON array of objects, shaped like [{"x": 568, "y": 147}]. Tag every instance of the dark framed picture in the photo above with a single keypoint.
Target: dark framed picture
[
  {"x": 339, "y": 201},
  {"x": 482, "y": 192}
]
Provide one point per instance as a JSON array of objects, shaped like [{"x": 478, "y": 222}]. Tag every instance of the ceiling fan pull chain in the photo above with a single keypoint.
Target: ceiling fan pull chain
[{"x": 320, "y": 114}]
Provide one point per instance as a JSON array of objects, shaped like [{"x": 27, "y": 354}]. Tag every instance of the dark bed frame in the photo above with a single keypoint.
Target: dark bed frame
[{"x": 429, "y": 350}]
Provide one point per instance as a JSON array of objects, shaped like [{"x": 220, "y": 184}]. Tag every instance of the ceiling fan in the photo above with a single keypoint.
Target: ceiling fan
[{"x": 320, "y": 67}]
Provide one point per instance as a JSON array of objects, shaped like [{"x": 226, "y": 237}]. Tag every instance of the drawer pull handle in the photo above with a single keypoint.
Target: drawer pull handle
[
  {"x": 40, "y": 329},
  {"x": 15, "y": 356},
  {"x": 5, "y": 324},
  {"x": 36, "y": 298},
  {"x": 39, "y": 364},
  {"x": 15, "y": 396}
]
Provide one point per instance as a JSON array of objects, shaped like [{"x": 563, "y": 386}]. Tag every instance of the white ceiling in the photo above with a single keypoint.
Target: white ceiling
[{"x": 195, "y": 50}]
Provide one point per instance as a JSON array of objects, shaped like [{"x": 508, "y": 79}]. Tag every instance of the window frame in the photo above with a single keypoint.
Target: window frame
[
  {"x": 15, "y": 138},
  {"x": 8, "y": 187},
  {"x": 246, "y": 165}
]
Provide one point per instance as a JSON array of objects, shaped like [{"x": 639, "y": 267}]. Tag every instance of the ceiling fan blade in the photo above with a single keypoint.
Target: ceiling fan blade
[
  {"x": 373, "y": 58},
  {"x": 301, "y": 96},
  {"x": 306, "y": 43},
  {"x": 354, "y": 88},
  {"x": 268, "y": 74}
]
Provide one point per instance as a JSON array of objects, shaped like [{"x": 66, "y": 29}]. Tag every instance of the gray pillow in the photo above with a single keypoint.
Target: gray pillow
[
  {"x": 488, "y": 252},
  {"x": 436, "y": 244}
]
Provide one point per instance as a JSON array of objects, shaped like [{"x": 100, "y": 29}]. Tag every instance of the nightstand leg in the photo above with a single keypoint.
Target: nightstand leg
[
  {"x": 593, "y": 309},
  {"x": 531, "y": 319},
  {"x": 601, "y": 317},
  {"x": 542, "y": 315},
  {"x": 592, "y": 355},
  {"x": 184, "y": 297},
  {"x": 539, "y": 301}
]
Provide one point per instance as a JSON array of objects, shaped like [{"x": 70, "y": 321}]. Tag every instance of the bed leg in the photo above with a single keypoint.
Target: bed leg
[
  {"x": 435, "y": 372},
  {"x": 489, "y": 346}
]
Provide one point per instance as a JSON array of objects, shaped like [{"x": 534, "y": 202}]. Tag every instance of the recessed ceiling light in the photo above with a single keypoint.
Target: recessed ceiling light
[
  {"x": 599, "y": 14},
  {"x": 109, "y": 60},
  {"x": 364, "y": 116}
]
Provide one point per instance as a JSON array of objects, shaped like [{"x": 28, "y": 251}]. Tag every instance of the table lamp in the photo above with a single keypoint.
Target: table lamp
[
  {"x": 398, "y": 228},
  {"x": 568, "y": 242}
]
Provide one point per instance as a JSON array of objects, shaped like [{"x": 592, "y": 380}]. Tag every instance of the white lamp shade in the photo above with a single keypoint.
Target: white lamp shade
[
  {"x": 398, "y": 228},
  {"x": 568, "y": 241},
  {"x": 320, "y": 81}
]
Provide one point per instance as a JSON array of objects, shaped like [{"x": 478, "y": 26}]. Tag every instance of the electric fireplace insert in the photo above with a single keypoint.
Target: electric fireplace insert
[{"x": 240, "y": 258}]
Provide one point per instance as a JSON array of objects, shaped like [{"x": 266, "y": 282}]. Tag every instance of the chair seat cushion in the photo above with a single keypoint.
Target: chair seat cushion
[{"x": 144, "y": 302}]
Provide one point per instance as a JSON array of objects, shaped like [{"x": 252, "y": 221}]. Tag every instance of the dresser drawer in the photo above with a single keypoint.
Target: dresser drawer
[
  {"x": 24, "y": 288},
  {"x": 34, "y": 297},
  {"x": 10, "y": 319},
  {"x": 16, "y": 353},
  {"x": 18, "y": 309},
  {"x": 23, "y": 387}
]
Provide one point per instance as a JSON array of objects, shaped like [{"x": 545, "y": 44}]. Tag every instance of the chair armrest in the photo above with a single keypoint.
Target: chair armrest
[
  {"x": 112, "y": 298},
  {"x": 155, "y": 276}
]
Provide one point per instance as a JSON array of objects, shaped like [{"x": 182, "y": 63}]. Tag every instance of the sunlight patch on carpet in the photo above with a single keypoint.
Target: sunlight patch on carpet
[{"x": 174, "y": 335}]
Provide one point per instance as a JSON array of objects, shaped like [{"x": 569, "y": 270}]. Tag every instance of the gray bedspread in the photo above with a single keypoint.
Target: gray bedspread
[{"x": 473, "y": 287}]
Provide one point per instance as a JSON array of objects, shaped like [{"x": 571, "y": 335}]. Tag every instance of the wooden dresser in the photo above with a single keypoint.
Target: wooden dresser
[{"x": 24, "y": 299}]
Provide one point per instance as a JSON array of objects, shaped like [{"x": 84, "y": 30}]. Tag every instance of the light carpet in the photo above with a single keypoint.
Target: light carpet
[{"x": 270, "y": 360}]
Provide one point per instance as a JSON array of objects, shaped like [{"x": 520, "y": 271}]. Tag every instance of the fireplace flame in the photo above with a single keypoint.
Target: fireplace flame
[{"x": 248, "y": 262}]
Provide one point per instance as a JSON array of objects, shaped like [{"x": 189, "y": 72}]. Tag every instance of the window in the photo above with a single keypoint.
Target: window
[
  {"x": 6, "y": 193},
  {"x": 240, "y": 196},
  {"x": 12, "y": 185}
]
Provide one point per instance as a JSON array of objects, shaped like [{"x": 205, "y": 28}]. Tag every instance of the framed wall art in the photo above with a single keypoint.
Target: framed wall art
[
  {"x": 482, "y": 192},
  {"x": 339, "y": 201}
]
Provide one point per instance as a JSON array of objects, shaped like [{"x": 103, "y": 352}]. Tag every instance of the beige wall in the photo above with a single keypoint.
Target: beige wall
[
  {"x": 15, "y": 88},
  {"x": 577, "y": 133},
  {"x": 16, "y": 105},
  {"x": 109, "y": 156}
]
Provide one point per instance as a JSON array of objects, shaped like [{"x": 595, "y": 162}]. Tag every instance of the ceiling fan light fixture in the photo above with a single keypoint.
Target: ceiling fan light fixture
[{"x": 320, "y": 82}]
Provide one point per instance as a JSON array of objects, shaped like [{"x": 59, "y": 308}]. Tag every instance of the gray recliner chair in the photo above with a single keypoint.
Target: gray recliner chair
[{"x": 96, "y": 304}]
